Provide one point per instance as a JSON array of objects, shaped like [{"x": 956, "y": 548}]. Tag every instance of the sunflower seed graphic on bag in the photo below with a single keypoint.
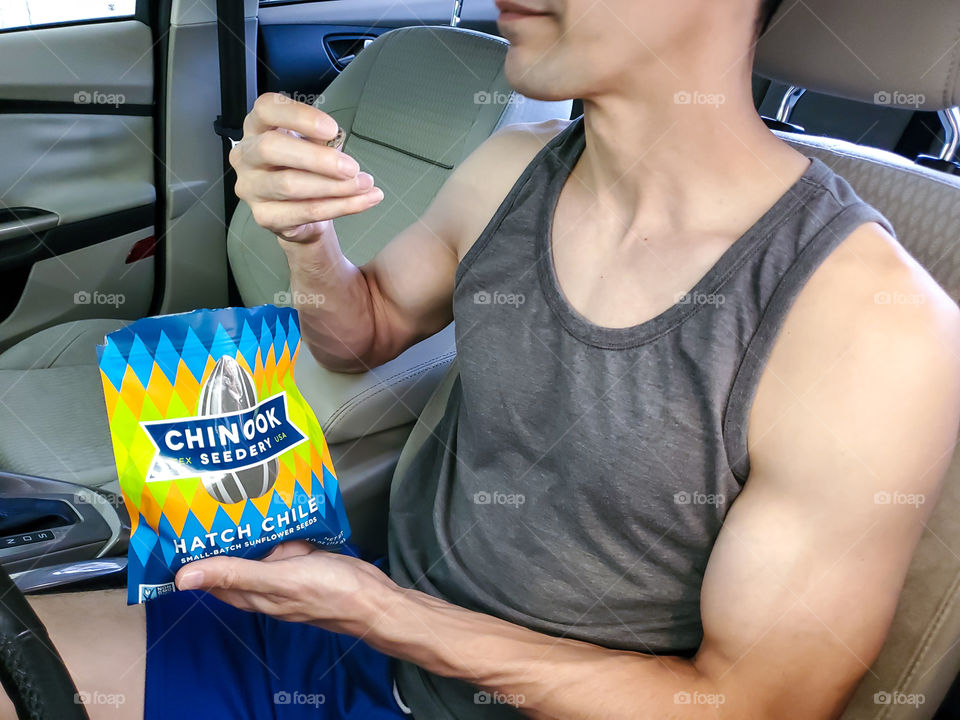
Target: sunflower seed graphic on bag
[
  {"x": 216, "y": 450},
  {"x": 230, "y": 389}
]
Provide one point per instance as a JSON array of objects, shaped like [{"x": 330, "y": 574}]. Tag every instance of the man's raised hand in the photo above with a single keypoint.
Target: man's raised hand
[{"x": 293, "y": 182}]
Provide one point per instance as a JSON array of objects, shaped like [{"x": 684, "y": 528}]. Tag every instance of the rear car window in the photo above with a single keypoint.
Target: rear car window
[{"x": 30, "y": 13}]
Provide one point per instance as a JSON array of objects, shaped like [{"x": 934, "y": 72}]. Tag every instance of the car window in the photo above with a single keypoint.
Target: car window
[{"x": 29, "y": 13}]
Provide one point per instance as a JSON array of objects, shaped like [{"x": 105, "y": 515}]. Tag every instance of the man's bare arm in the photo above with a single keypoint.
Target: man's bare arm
[
  {"x": 295, "y": 186},
  {"x": 853, "y": 425},
  {"x": 851, "y": 432}
]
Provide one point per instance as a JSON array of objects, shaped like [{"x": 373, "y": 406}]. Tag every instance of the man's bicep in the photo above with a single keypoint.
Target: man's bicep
[
  {"x": 797, "y": 600},
  {"x": 858, "y": 421},
  {"x": 411, "y": 283},
  {"x": 413, "y": 276}
]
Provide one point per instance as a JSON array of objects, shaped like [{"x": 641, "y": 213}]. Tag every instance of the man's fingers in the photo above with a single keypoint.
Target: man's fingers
[
  {"x": 273, "y": 148},
  {"x": 263, "y": 185},
  {"x": 294, "y": 548},
  {"x": 231, "y": 573},
  {"x": 294, "y": 213},
  {"x": 287, "y": 175},
  {"x": 275, "y": 110}
]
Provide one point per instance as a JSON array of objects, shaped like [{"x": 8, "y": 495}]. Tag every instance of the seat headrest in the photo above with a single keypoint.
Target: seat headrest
[{"x": 900, "y": 53}]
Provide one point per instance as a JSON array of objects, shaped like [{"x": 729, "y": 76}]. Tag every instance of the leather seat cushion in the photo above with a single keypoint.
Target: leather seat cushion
[{"x": 52, "y": 410}]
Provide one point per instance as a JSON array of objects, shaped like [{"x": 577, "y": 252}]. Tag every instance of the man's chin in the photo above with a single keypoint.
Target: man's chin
[{"x": 534, "y": 80}]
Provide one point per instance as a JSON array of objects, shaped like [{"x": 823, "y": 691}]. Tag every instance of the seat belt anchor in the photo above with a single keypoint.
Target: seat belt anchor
[{"x": 227, "y": 133}]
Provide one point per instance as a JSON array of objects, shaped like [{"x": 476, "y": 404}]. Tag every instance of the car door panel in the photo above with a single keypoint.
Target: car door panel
[
  {"x": 299, "y": 60},
  {"x": 77, "y": 139},
  {"x": 372, "y": 13},
  {"x": 54, "y": 63},
  {"x": 49, "y": 296},
  {"x": 297, "y": 44},
  {"x": 78, "y": 166}
]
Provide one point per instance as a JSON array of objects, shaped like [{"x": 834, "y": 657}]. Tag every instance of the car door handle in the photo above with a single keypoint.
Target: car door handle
[
  {"x": 343, "y": 49},
  {"x": 19, "y": 222}
]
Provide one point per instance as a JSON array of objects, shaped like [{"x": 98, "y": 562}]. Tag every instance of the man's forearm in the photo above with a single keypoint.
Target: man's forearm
[
  {"x": 337, "y": 312},
  {"x": 544, "y": 676}
]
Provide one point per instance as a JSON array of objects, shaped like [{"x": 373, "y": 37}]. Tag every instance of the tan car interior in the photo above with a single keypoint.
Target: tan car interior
[{"x": 407, "y": 104}]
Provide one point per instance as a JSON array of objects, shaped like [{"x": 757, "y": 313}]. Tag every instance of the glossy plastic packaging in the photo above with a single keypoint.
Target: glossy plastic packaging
[{"x": 216, "y": 450}]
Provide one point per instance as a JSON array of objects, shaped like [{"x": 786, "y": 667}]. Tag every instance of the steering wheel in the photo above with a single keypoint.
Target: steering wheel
[{"x": 31, "y": 670}]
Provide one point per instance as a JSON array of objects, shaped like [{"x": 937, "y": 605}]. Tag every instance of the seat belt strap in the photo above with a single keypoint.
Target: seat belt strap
[{"x": 233, "y": 90}]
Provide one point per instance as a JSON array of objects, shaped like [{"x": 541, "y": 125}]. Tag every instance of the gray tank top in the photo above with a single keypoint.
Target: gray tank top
[{"x": 580, "y": 474}]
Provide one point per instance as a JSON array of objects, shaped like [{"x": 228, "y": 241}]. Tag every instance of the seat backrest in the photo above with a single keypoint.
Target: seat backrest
[
  {"x": 414, "y": 104},
  {"x": 902, "y": 54},
  {"x": 921, "y": 657}
]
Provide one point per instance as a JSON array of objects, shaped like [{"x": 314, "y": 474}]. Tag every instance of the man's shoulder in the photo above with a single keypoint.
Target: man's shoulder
[
  {"x": 483, "y": 180},
  {"x": 530, "y": 136},
  {"x": 870, "y": 290},
  {"x": 871, "y": 341},
  {"x": 500, "y": 160}
]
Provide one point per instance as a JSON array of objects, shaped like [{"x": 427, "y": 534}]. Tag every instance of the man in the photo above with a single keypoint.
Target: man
[{"x": 657, "y": 490}]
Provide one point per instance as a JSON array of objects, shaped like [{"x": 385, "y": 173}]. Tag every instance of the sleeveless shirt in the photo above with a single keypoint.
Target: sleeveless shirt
[{"x": 580, "y": 474}]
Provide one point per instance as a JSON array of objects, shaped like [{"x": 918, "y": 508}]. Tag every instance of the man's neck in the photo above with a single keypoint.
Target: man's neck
[{"x": 676, "y": 160}]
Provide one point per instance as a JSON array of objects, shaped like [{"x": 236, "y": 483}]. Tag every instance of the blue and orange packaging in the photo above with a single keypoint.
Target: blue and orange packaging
[{"x": 217, "y": 451}]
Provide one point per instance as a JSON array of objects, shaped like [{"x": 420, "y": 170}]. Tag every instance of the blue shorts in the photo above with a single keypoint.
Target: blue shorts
[{"x": 208, "y": 660}]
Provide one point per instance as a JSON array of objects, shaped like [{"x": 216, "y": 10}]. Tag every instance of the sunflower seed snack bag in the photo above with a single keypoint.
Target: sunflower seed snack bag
[{"x": 216, "y": 450}]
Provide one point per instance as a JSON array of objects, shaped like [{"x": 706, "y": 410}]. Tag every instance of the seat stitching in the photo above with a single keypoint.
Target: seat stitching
[
  {"x": 381, "y": 387},
  {"x": 933, "y": 629},
  {"x": 417, "y": 156},
  {"x": 443, "y": 360},
  {"x": 388, "y": 379},
  {"x": 65, "y": 348},
  {"x": 879, "y": 162}
]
